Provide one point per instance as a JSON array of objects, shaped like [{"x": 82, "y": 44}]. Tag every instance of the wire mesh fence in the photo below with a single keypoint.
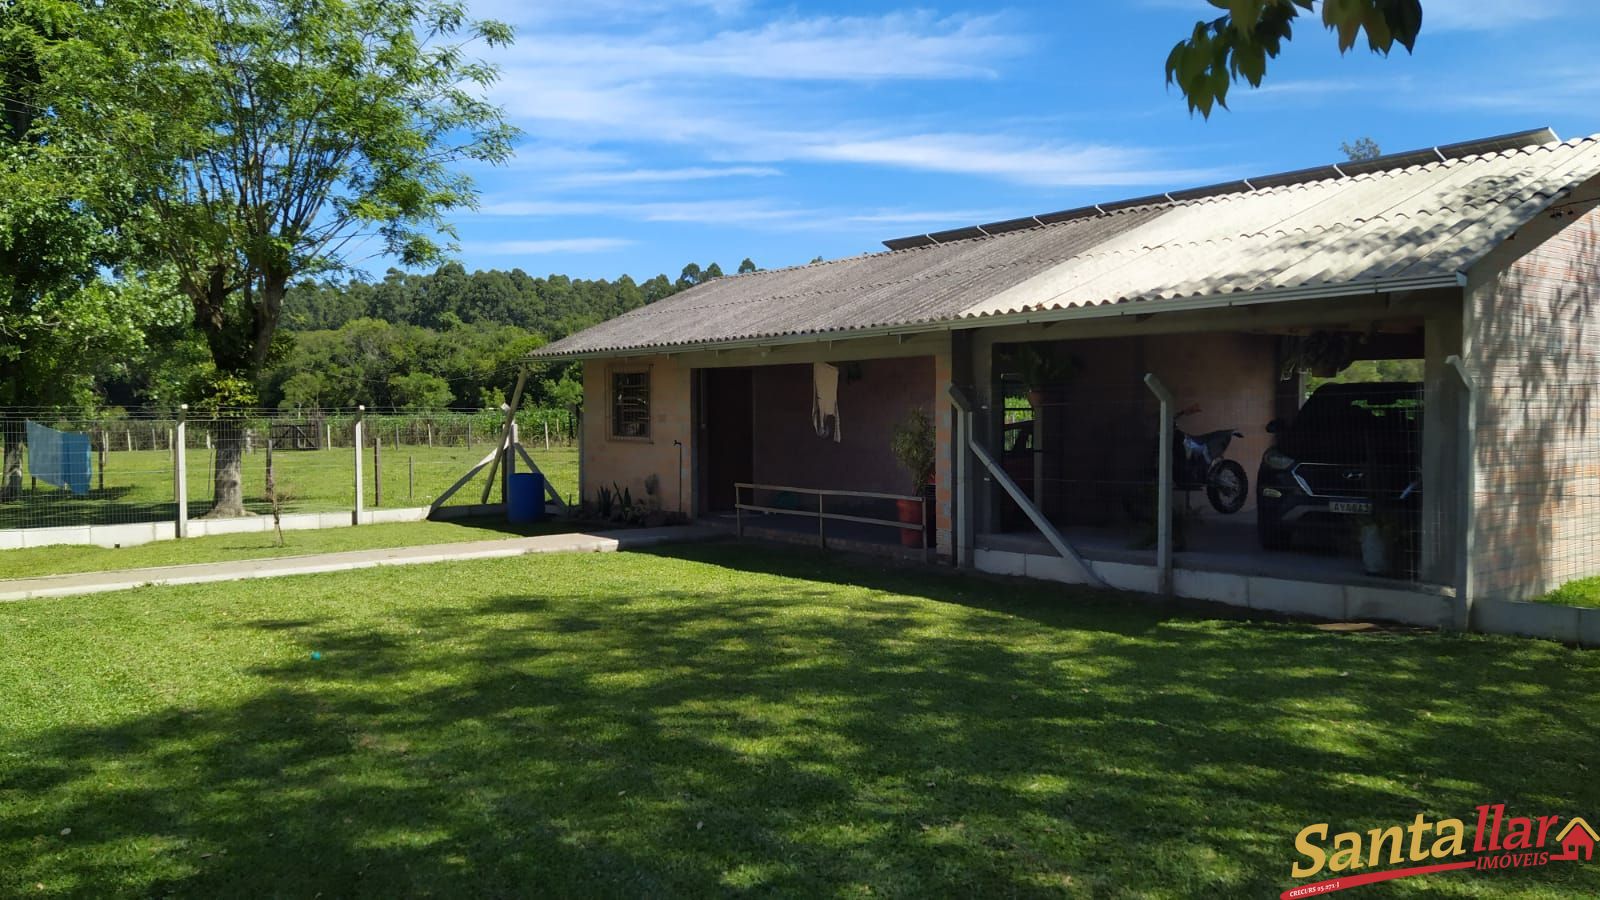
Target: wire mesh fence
[
  {"x": 1263, "y": 479},
  {"x": 121, "y": 467}
]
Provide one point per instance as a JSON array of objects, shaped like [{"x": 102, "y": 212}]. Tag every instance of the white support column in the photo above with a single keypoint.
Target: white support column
[
  {"x": 355, "y": 514},
  {"x": 1466, "y": 490},
  {"x": 180, "y": 473},
  {"x": 1164, "y": 489}
]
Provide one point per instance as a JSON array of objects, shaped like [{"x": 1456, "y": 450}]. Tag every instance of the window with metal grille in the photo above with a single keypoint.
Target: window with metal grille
[{"x": 630, "y": 404}]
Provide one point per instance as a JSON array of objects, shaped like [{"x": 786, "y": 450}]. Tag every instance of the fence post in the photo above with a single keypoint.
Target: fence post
[
  {"x": 355, "y": 516},
  {"x": 180, "y": 474},
  {"x": 377, "y": 470},
  {"x": 103, "y": 438},
  {"x": 547, "y": 436},
  {"x": 1164, "y": 487},
  {"x": 510, "y": 465}
]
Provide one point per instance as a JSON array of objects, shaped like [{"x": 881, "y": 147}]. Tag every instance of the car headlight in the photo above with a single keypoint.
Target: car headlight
[{"x": 1277, "y": 459}]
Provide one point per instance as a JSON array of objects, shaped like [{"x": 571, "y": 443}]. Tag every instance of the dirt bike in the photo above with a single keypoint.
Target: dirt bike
[{"x": 1198, "y": 463}]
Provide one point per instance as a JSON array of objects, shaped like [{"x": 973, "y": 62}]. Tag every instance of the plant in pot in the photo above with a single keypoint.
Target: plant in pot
[
  {"x": 1381, "y": 535},
  {"x": 913, "y": 446},
  {"x": 1382, "y": 531},
  {"x": 1041, "y": 371}
]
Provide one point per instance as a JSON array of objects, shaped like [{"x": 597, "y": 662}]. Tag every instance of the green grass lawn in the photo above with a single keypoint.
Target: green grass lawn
[
  {"x": 732, "y": 719},
  {"x": 1584, "y": 592},
  {"x": 138, "y": 484},
  {"x": 56, "y": 560}
]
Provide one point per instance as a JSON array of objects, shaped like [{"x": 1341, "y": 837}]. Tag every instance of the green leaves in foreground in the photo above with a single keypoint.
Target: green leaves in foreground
[{"x": 1238, "y": 44}]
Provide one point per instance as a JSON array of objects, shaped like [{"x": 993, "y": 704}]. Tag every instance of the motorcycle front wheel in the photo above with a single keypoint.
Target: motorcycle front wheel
[{"x": 1227, "y": 487}]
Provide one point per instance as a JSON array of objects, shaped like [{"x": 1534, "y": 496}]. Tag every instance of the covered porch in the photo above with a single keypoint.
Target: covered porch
[
  {"x": 1070, "y": 413},
  {"x": 769, "y": 462}
]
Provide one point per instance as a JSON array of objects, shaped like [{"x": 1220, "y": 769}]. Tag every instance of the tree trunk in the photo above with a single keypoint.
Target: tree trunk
[
  {"x": 12, "y": 434},
  {"x": 228, "y": 474}
]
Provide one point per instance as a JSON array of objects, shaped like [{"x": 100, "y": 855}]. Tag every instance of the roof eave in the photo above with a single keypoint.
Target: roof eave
[{"x": 1031, "y": 316}]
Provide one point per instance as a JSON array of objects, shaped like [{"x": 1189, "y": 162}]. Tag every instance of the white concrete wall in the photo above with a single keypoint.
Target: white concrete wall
[{"x": 144, "y": 533}]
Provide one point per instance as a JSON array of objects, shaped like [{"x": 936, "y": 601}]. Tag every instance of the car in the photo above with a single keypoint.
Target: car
[{"x": 1352, "y": 453}]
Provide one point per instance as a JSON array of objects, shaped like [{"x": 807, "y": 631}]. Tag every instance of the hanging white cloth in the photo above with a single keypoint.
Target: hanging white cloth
[{"x": 825, "y": 399}]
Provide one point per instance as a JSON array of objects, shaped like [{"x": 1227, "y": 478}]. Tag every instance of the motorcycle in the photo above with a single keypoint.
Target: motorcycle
[{"x": 1198, "y": 463}]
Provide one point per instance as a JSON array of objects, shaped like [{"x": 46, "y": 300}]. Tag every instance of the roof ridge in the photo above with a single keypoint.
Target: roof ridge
[{"x": 1441, "y": 154}]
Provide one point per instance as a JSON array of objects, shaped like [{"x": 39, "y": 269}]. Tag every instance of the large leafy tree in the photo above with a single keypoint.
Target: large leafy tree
[
  {"x": 294, "y": 132},
  {"x": 1238, "y": 43},
  {"x": 62, "y": 191}
]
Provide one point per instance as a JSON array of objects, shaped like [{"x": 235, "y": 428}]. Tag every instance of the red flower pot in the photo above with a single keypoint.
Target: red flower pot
[{"x": 911, "y": 514}]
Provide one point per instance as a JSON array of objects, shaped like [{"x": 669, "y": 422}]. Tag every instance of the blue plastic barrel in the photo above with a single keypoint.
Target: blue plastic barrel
[{"x": 525, "y": 500}]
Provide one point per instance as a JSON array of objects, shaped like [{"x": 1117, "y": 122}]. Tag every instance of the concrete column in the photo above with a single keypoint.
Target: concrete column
[
  {"x": 1164, "y": 486},
  {"x": 986, "y": 429},
  {"x": 1444, "y": 429},
  {"x": 962, "y": 464},
  {"x": 943, "y": 521}
]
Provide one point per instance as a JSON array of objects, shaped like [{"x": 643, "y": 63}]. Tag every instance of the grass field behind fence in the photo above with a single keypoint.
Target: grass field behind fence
[{"x": 138, "y": 484}]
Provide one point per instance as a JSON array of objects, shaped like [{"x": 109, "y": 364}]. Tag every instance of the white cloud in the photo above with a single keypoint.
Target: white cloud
[
  {"x": 725, "y": 212},
  {"x": 823, "y": 48},
  {"x": 554, "y": 245},
  {"x": 529, "y": 12},
  {"x": 925, "y": 217},
  {"x": 1012, "y": 159},
  {"x": 686, "y": 173},
  {"x": 1488, "y": 15}
]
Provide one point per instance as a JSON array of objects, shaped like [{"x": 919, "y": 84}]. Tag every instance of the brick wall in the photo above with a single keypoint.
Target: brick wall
[{"x": 1533, "y": 333}]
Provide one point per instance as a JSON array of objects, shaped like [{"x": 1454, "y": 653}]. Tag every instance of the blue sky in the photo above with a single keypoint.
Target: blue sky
[{"x": 663, "y": 131}]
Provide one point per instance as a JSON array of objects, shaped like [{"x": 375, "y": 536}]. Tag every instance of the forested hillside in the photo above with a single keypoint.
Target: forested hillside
[{"x": 445, "y": 339}]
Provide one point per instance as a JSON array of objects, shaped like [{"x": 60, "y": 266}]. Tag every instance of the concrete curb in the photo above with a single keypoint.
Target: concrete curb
[
  {"x": 132, "y": 535},
  {"x": 1551, "y": 621},
  {"x": 241, "y": 570}
]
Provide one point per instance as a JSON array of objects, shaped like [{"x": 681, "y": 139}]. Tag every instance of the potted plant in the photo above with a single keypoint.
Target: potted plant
[
  {"x": 1381, "y": 533},
  {"x": 1040, "y": 371},
  {"x": 913, "y": 446},
  {"x": 1381, "y": 530}
]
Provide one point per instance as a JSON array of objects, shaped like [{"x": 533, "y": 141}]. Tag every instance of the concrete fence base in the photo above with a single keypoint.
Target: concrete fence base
[
  {"x": 1319, "y": 600},
  {"x": 1567, "y": 624},
  {"x": 144, "y": 533}
]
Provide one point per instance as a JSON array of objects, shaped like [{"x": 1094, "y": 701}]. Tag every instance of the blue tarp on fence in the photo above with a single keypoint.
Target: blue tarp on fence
[{"x": 61, "y": 458}]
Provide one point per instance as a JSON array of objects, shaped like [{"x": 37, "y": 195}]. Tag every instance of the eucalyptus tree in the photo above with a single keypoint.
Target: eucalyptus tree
[{"x": 294, "y": 134}]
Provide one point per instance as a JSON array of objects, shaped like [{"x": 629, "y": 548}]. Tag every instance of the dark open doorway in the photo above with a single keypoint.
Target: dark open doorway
[{"x": 726, "y": 435}]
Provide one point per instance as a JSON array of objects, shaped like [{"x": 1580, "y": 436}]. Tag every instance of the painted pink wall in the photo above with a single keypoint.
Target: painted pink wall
[
  {"x": 788, "y": 450},
  {"x": 1100, "y": 430}
]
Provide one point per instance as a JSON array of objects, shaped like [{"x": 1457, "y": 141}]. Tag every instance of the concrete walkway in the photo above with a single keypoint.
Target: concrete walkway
[{"x": 238, "y": 570}]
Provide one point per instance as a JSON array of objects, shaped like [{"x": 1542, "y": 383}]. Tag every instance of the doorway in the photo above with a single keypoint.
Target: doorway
[{"x": 726, "y": 432}]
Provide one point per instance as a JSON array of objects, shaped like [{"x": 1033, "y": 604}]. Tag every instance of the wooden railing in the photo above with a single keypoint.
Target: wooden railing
[{"x": 821, "y": 514}]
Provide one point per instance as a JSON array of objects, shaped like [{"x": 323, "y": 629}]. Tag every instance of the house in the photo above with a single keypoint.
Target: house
[
  {"x": 1477, "y": 264},
  {"x": 1577, "y": 840}
]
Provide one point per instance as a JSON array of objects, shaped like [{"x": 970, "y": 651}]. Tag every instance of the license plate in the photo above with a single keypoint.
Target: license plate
[{"x": 1354, "y": 507}]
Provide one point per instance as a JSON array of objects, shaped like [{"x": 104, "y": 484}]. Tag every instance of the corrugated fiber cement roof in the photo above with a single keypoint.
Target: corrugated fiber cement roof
[{"x": 1405, "y": 220}]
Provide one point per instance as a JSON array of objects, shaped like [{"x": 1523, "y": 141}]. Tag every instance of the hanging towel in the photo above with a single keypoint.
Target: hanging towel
[
  {"x": 825, "y": 399},
  {"x": 61, "y": 458}
]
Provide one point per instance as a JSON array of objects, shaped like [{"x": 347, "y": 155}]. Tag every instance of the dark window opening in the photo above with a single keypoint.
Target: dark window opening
[{"x": 630, "y": 404}]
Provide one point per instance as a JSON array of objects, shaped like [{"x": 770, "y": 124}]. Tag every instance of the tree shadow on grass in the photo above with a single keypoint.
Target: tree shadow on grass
[{"x": 867, "y": 730}]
